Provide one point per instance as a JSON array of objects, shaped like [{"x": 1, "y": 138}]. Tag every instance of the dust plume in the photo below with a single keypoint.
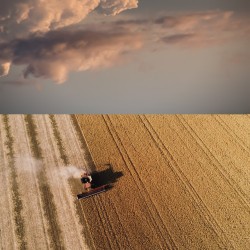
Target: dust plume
[
  {"x": 70, "y": 171},
  {"x": 28, "y": 164}
]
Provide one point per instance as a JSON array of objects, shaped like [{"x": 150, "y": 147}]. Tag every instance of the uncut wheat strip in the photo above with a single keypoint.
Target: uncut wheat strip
[
  {"x": 237, "y": 216},
  {"x": 107, "y": 222},
  {"x": 77, "y": 156},
  {"x": 239, "y": 125},
  {"x": 239, "y": 221},
  {"x": 64, "y": 201},
  {"x": 242, "y": 171},
  {"x": 203, "y": 174},
  {"x": 35, "y": 221},
  {"x": 168, "y": 190},
  {"x": 8, "y": 238},
  {"x": 186, "y": 172},
  {"x": 232, "y": 160},
  {"x": 130, "y": 214},
  {"x": 157, "y": 224}
]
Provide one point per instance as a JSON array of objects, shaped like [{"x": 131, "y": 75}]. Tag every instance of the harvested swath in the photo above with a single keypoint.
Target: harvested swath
[
  {"x": 26, "y": 171},
  {"x": 17, "y": 202},
  {"x": 8, "y": 239},
  {"x": 77, "y": 155},
  {"x": 56, "y": 241},
  {"x": 71, "y": 228}
]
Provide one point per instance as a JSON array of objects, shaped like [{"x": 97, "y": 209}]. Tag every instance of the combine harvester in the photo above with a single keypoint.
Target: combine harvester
[{"x": 90, "y": 187}]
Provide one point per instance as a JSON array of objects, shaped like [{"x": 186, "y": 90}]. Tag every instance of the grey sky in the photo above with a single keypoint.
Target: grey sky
[{"x": 185, "y": 65}]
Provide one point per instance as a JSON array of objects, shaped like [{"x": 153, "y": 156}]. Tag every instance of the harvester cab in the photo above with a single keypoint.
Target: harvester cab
[{"x": 90, "y": 186}]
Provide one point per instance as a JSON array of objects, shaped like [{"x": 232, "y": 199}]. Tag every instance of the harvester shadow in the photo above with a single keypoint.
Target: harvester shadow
[{"x": 106, "y": 176}]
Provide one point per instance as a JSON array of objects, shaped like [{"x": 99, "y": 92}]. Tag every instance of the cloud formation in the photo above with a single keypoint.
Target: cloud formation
[
  {"x": 22, "y": 23},
  {"x": 21, "y": 18},
  {"x": 55, "y": 54},
  {"x": 51, "y": 50}
]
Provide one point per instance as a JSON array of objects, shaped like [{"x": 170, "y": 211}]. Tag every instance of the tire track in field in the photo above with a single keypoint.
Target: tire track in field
[
  {"x": 230, "y": 130},
  {"x": 138, "y": 230},
  {"x": 34, "y": 221},
  {"x": 126, "y": 231},
  {"x": 240, "y": 124},
  {"x": 89, "y": 159},
  {"x": 8, "y": 238},
  {"x": 197, "y": 221},
  {"x": 231, "y": 182},
  {"x": 244, "y": 173},
  {"x": 164, "y": 236},
  {"x": 52, "y": 147},
  {"x": 82, "y": 144},
  {"x": 203, "y": 209},
  {"x": 236, "y": 220},
  {"x": 56, "y": 240},
  {"x": 77, "y": 156}
]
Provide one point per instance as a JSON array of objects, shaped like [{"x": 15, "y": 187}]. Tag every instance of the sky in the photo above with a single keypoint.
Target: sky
[{"x": 124, "y": 56}]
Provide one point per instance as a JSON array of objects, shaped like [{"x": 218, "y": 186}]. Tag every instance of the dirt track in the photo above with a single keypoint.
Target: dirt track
[{"x": 185, "y": 182}]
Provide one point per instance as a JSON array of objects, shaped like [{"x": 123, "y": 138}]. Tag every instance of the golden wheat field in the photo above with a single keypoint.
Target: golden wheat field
[{"x": 179, "y": 181}]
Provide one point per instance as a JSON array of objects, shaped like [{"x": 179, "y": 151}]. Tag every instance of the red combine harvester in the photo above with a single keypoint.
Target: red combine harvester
[{"x": 90, "y": 187}]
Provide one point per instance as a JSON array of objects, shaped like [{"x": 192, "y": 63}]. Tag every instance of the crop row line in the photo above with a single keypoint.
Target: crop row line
[
  {"x": 88, "y": 157},
  {"x": 237, "y": 139},
  {"x": 46, "y": 194},
  {"x": 224, "y": 174},
  {"x": 232, "y": 133},
  {"x": 126, "y": 158},
  {"x": 17, "y": 202},
  {"x": 184, "y": 180},
  {"x": 58, "y": 140}
]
